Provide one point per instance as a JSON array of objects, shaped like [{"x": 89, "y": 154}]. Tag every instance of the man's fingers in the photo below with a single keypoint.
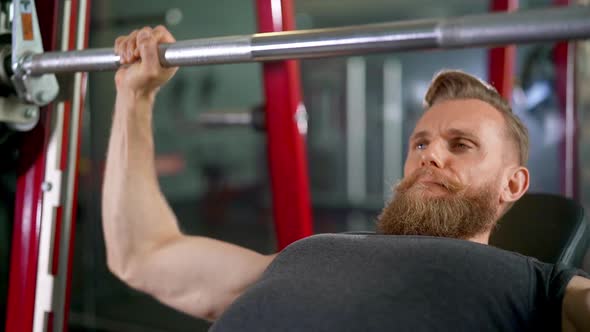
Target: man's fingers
[
  {"x": 130, "y": 47},
  {"x": 148, "y": 48},
  {"x": 163, "y": 35},
  {"x": 122, "y": 48},
  {"x": 118, "y": 42},
  {"x": 144, "y": 33},
  {"x": 147, "y": 75}
]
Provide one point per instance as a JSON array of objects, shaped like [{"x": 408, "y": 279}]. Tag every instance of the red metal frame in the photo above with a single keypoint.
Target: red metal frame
[
  {"x": 27, "y": 224},
  {"x": 27, "y": 219},
  {"x": 564, "y": 61},
  {"x": 286, "y": 147},
  {"x": 31, "y": 174},
  {"x": 501, "y": 59}
]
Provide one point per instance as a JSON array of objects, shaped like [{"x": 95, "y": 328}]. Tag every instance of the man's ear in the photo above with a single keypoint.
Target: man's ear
[{"x": 516, "y": 186}]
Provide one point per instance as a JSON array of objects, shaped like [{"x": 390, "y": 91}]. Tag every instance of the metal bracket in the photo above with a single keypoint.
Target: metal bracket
[
  {"x": 22, "y": 93},
  {"x": 26, "y": 41},
  {"x": 18, "y": 115}
]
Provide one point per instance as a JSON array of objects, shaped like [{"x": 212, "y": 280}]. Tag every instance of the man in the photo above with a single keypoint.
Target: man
[{"x": 465, "y": 168}]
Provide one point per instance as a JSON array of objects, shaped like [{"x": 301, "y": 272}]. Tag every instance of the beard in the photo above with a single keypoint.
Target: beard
[{"x": 461, "y": 213}]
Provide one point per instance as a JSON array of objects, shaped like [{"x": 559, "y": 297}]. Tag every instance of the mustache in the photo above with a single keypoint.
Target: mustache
[{"x": 452, "y": 185}]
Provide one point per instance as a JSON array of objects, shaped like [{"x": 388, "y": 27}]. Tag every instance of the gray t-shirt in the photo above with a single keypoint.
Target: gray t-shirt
[{"x": 343, "y": 282}]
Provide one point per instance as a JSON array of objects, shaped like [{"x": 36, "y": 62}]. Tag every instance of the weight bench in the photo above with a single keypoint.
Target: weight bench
[{"x": 548, "y": 227}]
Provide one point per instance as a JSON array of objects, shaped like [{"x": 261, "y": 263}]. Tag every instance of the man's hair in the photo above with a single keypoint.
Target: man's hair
[{"x": 454, "y": 84}]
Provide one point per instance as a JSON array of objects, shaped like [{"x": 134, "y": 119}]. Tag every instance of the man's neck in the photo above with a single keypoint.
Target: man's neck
[{"x": 483, "y": 238}]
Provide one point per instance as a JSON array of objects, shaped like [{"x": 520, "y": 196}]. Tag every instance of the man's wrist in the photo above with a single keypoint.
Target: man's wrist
[
  {"x": 134, "y": 105},
  {"x": 133, "y": 95}
]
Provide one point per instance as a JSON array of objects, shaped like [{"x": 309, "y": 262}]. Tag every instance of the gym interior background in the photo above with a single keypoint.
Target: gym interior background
[{"x": 361, "y": 110}]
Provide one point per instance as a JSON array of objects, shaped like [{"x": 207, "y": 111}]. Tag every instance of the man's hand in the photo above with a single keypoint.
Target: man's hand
[{"x": 141, "y": 73}]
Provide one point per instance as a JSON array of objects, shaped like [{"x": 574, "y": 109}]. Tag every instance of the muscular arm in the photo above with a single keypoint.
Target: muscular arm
[
  {"x": 145, "y": 247},
  {"x": 576, "y": 306}
]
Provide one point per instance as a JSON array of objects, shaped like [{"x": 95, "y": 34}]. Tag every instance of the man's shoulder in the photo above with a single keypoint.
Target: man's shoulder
[
  {"x": 374, "y": 239},
  {"x": 419, "y": 247}
]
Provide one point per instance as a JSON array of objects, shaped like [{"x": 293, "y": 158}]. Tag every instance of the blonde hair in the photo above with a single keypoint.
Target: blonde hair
[{"x": 454, "y": 84}]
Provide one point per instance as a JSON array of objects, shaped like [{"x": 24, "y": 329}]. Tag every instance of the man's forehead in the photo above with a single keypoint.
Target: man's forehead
[
  {"x": 451, "y": 131},
  {"x": 469, "y": 116}
]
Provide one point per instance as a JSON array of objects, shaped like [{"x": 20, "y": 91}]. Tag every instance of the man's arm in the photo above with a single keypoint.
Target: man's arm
[
  {"x": 576, "y": 306},
  {"x": 145, "y": 247}
]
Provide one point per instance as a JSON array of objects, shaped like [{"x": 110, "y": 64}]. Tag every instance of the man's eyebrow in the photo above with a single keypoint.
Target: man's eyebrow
[
  {"x": 419, "y": 135},
  {"x": 462, "y": 133}
]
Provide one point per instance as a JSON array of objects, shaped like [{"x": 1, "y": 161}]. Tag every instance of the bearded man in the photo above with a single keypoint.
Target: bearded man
[{"x": 428, "y": 267}]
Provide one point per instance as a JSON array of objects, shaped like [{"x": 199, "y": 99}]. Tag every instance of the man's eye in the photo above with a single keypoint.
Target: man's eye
[
  {"x": 421, "y": 146},
  {"x": 461, "y": 146}
]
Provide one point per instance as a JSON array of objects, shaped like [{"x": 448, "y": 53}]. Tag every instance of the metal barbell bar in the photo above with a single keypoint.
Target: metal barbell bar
[{"x": 542, "y": 25}]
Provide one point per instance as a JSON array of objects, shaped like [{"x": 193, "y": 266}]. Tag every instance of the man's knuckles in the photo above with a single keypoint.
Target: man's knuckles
[
  {"x": 142, "y": 45},
  {"x": 118, "y": 43},
  {"x": 144, "y": 33},
  {"x": 130, "y": 51}
]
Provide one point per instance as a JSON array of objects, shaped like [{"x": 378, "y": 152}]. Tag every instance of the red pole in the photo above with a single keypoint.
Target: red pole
[
  {"x": 27, "y": 223},
  {"x": 501, "y": 59},
  {"x": 286, "y": 147}
]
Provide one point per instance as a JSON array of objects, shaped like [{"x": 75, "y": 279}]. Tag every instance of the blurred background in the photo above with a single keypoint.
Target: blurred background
[{"x": 361, "y": 111}]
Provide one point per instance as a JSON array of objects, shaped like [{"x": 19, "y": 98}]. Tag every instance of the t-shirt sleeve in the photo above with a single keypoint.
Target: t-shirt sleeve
[
  {"x": 548, "y": 288},
  {"x": 560, "y": 277}
]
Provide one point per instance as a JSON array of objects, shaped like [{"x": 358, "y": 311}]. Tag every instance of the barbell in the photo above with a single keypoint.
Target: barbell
[
  {"x": 561, "y": 23},
  {"x": 31, "y": 71}
]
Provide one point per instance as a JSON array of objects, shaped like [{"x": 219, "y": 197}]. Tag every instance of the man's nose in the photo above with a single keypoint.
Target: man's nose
[{"x": 433, "y": 156}]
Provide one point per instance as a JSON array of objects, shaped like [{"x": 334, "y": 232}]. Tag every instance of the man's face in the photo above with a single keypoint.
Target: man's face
[
  {"x": 464, "y": 140},
  {"x": 452, "y": 175}
]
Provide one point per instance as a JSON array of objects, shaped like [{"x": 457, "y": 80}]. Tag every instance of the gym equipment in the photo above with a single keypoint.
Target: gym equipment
[
  {"x": 548, "y": 227},
  {"x": 31, "y": 71},
  {"x": 469, "y": 31}
]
